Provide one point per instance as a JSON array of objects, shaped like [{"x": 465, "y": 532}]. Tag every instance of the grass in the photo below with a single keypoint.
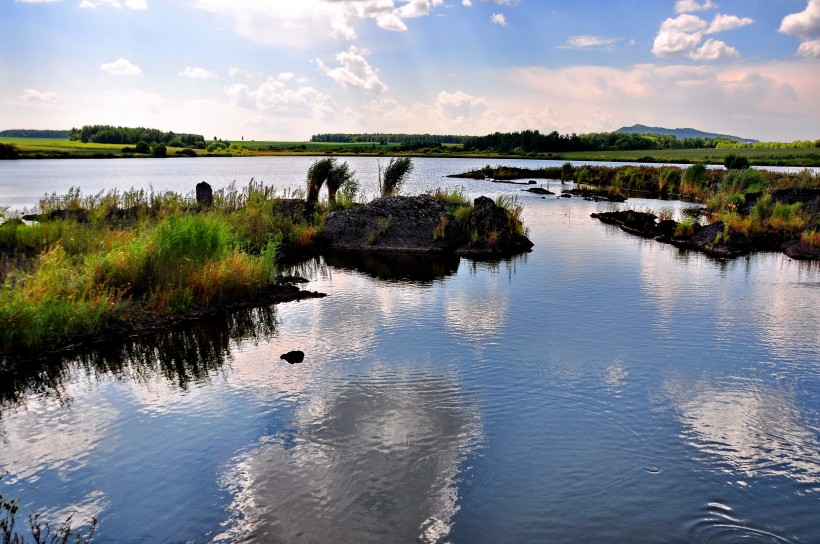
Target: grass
[
  {"x": 762, "y": 157},
  {"x": 81, "y": 278}
]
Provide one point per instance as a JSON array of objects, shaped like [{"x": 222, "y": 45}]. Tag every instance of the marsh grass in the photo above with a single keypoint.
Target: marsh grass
[
  {"x": 393, "y": 176},
  {"x": 81, "y": 278}
]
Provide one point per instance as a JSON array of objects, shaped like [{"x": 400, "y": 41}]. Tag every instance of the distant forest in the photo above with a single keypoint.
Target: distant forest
[
  {"x": 32, "y": 133},
  {"x": 106, "y": 134},
  {"x": 533, "y": 141},
  {"x": 378, "y": 138}
]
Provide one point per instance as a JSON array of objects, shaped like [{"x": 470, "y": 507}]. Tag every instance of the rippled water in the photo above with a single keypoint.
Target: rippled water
[{"x": 603, "y": 388}]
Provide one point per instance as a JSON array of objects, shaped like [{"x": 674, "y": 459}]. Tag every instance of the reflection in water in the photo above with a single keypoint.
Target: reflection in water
[
  {"x": 756, "y": 430},
  {"x": 397, "y": 266},
  {"x": 183, "y": 354},
  {"x": 369, "y": 461}
]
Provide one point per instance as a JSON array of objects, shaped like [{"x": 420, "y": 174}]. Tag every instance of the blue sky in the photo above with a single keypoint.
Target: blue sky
[{"x": 287, "y": 69}]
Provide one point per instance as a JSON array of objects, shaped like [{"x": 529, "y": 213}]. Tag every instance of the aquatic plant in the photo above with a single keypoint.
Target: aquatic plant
[
  {"x": 394, "y": 175},
  {"x": 337, "y": 177},
  {"x": 317, "y": 175}
]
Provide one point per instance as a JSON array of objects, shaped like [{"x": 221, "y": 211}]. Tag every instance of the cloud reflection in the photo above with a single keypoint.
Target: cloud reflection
[
  {"x": 757, "y": 430},
  {"x": 373, "y": 461}
]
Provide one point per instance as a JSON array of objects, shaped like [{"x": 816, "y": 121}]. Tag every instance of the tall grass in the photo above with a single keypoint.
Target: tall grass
[{"x": 394, "y": 175}]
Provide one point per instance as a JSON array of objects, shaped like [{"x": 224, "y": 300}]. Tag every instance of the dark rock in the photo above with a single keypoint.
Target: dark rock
[
  {"x": 597, "y": 195},
  {"x": 291, "y": 279},
  {"x": 531, "y": 182},
  {"x": 718, "y": 241},
  {"x": 566, "y": 195},
  {"x": 419, "y": 224},
  {"x": 539, "y": 191},
  {"x": 796, "y": 250},
  {"x": 666, "y": 228},
  {"x": 121, "y": 217},
  {"x": 79, "y": 215},
  {"x": 423, "y": 224},
  {"x": 204, "y": 194},
  {"x": 293, "y": 357}
]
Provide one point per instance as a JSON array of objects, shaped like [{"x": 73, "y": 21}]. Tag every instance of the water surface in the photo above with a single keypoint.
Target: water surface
[{"x": 603, "y": 388}]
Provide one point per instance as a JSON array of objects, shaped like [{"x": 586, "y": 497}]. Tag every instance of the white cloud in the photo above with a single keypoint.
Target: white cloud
[
  {"x": 121, "y": 67},
  {"x": 459, "y": 106},
  {"x": 499, "y": 19},
  {"x": 306, "y": 22},
  {"x": 805, "y": 23},
  {"x": 129, "y": 4},
  {"x": 390, "y": 21},
  {"x": 809, "y": 49},
  {"x": 33, "y": 95},
  {"x": 354, "y": 71},
  {"x": 688, "y": 6},
  {"x": 286, "y": 76},
  {"x": 683, "y": 34},
  {"x": 196, "y": 72},
  {"x": 678, "y": 36},
  {"x": 238, "y": 73},
  {"x": 714, "y": 50},
  {"x": 585, "y": 41},
  {"x": 722, "y": 23},
  {"x": 467, "y": 3},
  {"x": 274, "y": 96}
]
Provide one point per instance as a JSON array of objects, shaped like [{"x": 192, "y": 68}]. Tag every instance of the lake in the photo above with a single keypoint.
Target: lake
[{"x": 602, "y": 388}]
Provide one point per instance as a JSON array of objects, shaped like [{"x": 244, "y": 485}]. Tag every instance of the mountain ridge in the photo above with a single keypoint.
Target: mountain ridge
[{"x": 681, "y": 133}]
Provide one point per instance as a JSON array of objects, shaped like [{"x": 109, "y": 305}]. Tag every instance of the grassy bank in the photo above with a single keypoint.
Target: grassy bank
[
  {"x": 44, "y": 148},
  {"x": 120, "y": 260}
]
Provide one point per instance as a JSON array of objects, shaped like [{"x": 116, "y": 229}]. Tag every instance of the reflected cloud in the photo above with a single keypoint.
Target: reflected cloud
[
  {"x": 757, "y": 430},
  {"x": 372, "y": 461}
]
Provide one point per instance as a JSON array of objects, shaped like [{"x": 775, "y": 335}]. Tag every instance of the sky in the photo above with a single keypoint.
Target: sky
[{"x": 284, "y": 70}]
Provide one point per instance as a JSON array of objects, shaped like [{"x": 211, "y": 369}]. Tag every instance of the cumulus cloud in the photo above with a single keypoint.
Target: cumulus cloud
[
  {"x": 722, "y": 23},
  {"x": 275, "y": 96},
  {"x": 459, "y": 105},
  {"x": 809, "y": 49},
  {"x": 682, "y": 35},
  {"x": 467, "y": 3},
  {"x": 33, "y": 95},
  {"x": 353, "y": 71},
  {"x": 714, "y": 50},
  {"x": 805, "y": 24},
  {"x": 678, "y": 35},
  {"x": 121, "y": 67},
  {"x": 304, "y": 23},
  {"x": 238, "y": 73},
  {"x": 196, "y": 72},
  {"x": 129, "y": 4},
  {"x": 585, "y": 41},
  {"x": 688, "y": 6},
  {"x": 499, "y": 19}
]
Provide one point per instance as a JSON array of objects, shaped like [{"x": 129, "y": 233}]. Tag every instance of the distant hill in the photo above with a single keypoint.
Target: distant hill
[
  {"x": 33, "y": 133},
  {"x": 681, "y": 133}
]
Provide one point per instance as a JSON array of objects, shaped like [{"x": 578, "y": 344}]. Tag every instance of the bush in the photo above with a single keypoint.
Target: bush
[
  {"x": 669, "y": 180},
  {"x": 187, "y": 152},
  {"x": 317, "y": 175},
  {"x": 143, "y": 147},
  {"x": 744, "y": 181},
  {"x": 733, "y": 162},
  {"x": 159, "y": 150}
]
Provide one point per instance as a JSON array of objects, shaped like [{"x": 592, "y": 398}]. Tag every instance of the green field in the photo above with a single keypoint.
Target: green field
[{"x": 64, "y": 148}]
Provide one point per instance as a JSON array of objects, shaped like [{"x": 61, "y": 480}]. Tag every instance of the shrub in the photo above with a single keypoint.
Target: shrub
[
  {"x": 744, "y": 181},
  {"x": 143, "y": 147},
  {"x": 159, "y": 150},
  {"x": 567, "y": 170},
  {"x": 733, "y": 162},
  {"x": 337, "y": 177}
]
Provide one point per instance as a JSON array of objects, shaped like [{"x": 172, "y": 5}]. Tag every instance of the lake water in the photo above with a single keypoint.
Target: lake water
[{"x": 603, "y": 388}]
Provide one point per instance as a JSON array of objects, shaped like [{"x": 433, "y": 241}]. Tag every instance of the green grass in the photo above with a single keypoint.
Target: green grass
[
  {"x": 771, "y": 157},
  {"x": 311, "y": 147},
  {"x": 80, "y": 278}
]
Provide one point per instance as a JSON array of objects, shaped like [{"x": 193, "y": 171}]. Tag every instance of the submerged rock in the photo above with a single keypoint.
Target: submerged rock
[
  {"x": 539, "y": 191},
  {"x": 293, "y": 357}
]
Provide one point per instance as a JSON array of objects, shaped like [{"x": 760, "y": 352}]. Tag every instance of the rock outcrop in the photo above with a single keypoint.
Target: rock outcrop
[{"x": 423, "y": 224}]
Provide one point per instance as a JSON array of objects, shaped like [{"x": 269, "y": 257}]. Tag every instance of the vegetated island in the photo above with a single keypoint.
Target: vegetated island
[
  {"x": 625, "y": 145},
  {"x": 746, "y": 209},
  {"x": 85, "y": 267}
]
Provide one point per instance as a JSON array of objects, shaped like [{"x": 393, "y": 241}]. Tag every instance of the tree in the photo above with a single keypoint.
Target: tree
[{"x": 158, "y": 150}]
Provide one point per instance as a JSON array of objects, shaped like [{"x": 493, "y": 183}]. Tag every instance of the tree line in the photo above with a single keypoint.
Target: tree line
[
  {"x": 533, "y": 141},
  {"x": 389, "y": 138},
  {"x": 33, "y": 133},
  {"x": 107, "y": 134}
]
